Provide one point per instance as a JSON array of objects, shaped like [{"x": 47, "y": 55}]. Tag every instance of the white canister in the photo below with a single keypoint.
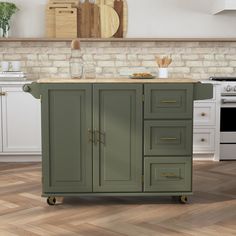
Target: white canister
[
  {"x": 16, "y": 66},
  {"x": 163, "y": 72},
  {"x": 5, "y": 66}
]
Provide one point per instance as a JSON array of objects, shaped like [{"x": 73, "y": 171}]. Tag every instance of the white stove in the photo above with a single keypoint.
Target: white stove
[{"x": 227, "y": 117}]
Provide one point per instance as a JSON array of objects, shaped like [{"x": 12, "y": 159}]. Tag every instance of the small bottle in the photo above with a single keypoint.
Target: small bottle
[{"x": 76, "y": 61}]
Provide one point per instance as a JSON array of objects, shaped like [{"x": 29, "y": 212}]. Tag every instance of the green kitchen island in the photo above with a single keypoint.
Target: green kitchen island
[{"x": 117, "y": 137}]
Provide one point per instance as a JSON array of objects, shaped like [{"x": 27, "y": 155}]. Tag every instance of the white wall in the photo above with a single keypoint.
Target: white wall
[{"x": 147, "y": 18}]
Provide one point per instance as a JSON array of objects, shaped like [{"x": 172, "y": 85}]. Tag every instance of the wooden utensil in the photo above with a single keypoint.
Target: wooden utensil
[
  {"x": 51, "y": 18},
  {"x": 119, "y": 8},
  {"x": 66, "y": 23},
  {"x": 109, "y": 20},
  {"x": 88, "y": 20}
]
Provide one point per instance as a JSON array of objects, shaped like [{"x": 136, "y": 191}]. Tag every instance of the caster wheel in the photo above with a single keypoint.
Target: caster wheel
[
  {"x": 183, "y": 199},
  {"x": 51, "y": 201}
]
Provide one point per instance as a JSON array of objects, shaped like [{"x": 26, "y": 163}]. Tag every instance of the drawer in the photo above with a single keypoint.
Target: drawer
[
  {"x": 203, "y": 140},
  {"x": 167, "y": 174},
  {"x": 204, "y": 113},
  {"x": 168, "y": 137},
  {"x": 168, "y": 101}
]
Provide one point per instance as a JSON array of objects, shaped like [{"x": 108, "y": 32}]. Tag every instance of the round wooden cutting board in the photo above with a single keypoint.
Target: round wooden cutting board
[{"x": 109, "y": 20}]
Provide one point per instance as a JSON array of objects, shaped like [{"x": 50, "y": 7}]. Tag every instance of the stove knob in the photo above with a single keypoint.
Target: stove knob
[{"x": 228, "y": 88}]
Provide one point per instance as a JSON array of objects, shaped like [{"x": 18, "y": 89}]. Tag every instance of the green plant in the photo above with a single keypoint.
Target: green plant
[{"x": 7, "y": 9}]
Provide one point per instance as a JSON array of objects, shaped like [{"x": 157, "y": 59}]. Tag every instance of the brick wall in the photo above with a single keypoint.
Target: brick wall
[{"x": 197, "y": 60}]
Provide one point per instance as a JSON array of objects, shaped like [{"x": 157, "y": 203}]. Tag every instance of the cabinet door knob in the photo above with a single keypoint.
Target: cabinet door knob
[
  {"x": 203, "y": 114},
  {"x": 3, "y": 93},
  {"x": 203, "y": 140}
]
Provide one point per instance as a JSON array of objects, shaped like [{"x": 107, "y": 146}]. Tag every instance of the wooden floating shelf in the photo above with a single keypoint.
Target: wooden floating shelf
[{"x": 119, "y": 40}]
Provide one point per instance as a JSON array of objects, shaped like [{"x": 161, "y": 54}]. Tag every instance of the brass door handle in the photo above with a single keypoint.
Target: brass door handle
[
  {"x": 169, "y": 101},
  {"x": 3, "y": 93},
  {"x": 168, "y": 139},
  {"x": 90, "y": 136},
  {"x": 102, "y": 137}
]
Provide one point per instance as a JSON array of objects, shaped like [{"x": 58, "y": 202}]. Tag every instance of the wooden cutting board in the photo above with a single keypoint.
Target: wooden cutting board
[
  {"x": 51, "y": 18},
  {"x": 109, "y": 20},
  {"x": 88, "y": 20},
  {"x": 66, "y": 23},
  {"x": 119, "y": 8},
  {"x": 125, "y": 13},
  {"x": 71, "y": 2}
]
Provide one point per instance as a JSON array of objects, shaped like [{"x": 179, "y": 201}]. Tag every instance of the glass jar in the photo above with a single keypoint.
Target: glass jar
[{"x": 76, "y": 65}]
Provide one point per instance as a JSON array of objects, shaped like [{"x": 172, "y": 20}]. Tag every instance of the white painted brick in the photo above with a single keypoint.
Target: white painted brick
[
  {"x": 43, "y": 57},
  {"x": 180, "y": 70},
  {"x": 149, "y": 63},
  {"x": 146, "y": 57},
  {"x": 121, "y": 63},
  {"x": 59, "y": 57},
  {"x": 49, "y": 70},
  {"x": 225, "y": 70},
  {"x": 190, "y": 57},
  {"x": 12, "y": 57},
  {"x": 230, "y": 57},
  {"x": 232, "y": 63},
  {"x": 64, "y": 70},
  {"x": 215, "y": 63},
  {"x": 209, "y": 57},
  {"x": 32, "y": 57},
  {"x": 120, "y": 57},
  {"x": 88, "y": 57},
  {"x": 61, "y": 63},
  {"x": 106, "y": 63},
  {"x": 220, "y": 57},
  {"x": 194, "y": 63},
  {"x": 35, "y": 69},
  {"x": 102, "y": 57},
  {"x": 132, "y": 57}
]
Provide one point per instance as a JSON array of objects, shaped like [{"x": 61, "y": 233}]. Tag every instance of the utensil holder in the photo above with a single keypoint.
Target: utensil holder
[{"x": 163, "y": 73}]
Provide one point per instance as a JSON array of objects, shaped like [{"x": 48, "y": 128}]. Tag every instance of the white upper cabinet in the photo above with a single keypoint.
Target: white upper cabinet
[{"x": 223, "y": 5}]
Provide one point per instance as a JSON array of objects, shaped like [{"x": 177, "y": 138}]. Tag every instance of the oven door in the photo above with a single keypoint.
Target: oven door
[{"x": 228, "y": 128}]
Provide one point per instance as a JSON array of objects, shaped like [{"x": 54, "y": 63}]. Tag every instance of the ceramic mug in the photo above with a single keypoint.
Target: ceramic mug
[
  {"x": 5, "y": 66},
  {"x": 15, "y": 66},
  {"x": 163, "y": 72}
]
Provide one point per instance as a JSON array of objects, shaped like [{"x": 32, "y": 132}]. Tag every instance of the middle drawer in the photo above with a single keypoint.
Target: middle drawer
[{"x": 168, "y": 137}]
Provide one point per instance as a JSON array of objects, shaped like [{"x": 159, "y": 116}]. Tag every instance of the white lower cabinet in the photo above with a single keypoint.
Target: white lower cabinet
[
  {"x": 20, "y": 124},
  {"x": 206, "y": 133}
]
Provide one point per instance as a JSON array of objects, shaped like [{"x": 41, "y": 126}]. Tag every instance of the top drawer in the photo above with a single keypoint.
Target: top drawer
[{"x": 168, "y": 101}]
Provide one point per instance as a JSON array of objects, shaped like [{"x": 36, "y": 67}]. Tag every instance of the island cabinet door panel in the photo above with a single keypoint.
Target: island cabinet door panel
[
  {"x": 67, "y": 151},
  {"x": 117, "y": 162},
  {"x": 167, "y": 174},
  {"x": 168, "y": 101},
  {"x": 168, "y": 137}
]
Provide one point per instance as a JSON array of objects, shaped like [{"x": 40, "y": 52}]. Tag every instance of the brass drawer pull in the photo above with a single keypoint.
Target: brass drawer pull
[
  {"x": 170, "y": 175},
  {"x": 168, "y": 139},
  {"x": 169, "y": 101}
]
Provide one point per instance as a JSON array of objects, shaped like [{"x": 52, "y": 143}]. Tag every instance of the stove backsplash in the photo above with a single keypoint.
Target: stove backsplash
[{"x": 198, "y": 60}]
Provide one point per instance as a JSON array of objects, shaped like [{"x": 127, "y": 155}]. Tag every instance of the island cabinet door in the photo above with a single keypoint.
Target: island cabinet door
[
  {"x": 117, "y": 153},
  {"x": 67, "y": 150}
]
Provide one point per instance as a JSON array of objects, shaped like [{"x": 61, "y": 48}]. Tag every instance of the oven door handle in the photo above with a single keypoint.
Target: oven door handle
[{"x": 228, "y": 100}]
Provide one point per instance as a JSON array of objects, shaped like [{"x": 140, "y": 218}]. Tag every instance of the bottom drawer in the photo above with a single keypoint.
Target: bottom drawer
[
  {"x": 203, "y": 140},
  {"x": 167, "y": 174}
]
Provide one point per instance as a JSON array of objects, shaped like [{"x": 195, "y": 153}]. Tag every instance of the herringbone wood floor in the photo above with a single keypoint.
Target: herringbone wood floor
[{"x": 210, "y": 211}]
